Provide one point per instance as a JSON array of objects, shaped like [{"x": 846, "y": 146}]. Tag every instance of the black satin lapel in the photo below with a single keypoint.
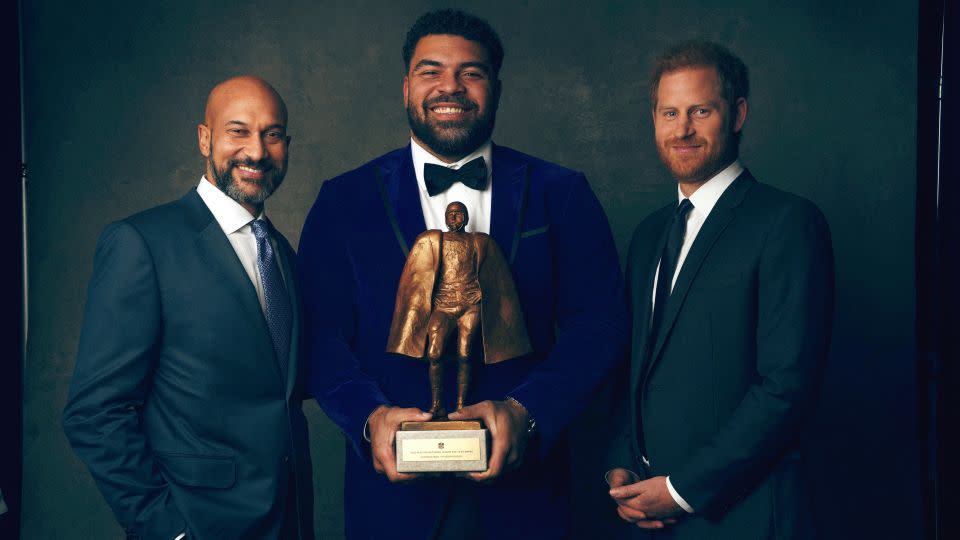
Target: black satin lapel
[
  {"x": 509, "y": 185},
  {"x": 716, "y": 222},
  {"x": 401, "y": 185}
]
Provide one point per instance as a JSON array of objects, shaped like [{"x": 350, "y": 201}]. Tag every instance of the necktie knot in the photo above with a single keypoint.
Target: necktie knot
[
  {"x": 260, "y": 229},
  {"x": 684, "y": 208},
  {"x": 438, "y": 178}
]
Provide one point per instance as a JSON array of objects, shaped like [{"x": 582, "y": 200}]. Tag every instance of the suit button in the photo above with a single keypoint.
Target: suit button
[{"x": 286, "y": 459}]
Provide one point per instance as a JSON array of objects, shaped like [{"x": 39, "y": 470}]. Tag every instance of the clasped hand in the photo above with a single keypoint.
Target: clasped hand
[{"x": 647, "y": 503}]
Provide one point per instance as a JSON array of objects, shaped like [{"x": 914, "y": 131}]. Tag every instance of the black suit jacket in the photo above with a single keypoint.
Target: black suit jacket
[
  {"x": 723, "y": 391},
  {"x": 178, "y": 404}
]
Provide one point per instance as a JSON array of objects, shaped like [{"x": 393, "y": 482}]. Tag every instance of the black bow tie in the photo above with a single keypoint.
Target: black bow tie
[{"x": 438, "y": 178}]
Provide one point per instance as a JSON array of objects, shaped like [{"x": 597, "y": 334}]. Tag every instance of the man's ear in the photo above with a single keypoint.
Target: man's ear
[
  {"x": 203, "y": 139},
  {"x": 741, "y": 109},
  {"x": 406, "y": 89}
]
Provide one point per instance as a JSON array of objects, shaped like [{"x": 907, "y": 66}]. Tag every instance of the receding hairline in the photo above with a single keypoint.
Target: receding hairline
[{"x": 237, "y": 84}]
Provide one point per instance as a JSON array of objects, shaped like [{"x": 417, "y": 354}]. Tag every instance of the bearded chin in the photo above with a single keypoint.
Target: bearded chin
[
  {"x": 451, "y": 138},
  {"x": 231, "y": 187}
]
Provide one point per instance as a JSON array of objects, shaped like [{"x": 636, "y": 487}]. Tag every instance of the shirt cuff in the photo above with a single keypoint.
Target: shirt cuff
[
  {"x": 181, "y": 536},
  {"x": 676, "y": 497},
  {"x": 366, "y": 430},
  {"x": 366, "y": 424}
]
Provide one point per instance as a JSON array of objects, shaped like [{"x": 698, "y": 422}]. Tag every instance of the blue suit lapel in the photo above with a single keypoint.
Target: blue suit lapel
[
  {"x": 222, "y": 261},
  {"x": 717, "y": 221},
  {"x": 642, "y": 297},
  {"x": 285, "y": 256},
  {"x": 509, "y": 185}
]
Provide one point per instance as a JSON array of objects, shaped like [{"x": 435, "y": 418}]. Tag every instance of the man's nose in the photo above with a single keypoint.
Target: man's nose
[
  {"x": 684, "y": 127},
  {"x": 255, "y": 149},
  {"x": 450, "y": 83}
]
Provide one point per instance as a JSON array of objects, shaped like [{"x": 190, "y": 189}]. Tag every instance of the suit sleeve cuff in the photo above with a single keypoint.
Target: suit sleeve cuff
[{"x": 676, "y": 497}]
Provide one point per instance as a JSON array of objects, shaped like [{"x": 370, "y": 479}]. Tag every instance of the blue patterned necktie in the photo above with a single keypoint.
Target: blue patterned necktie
[{"x": 279, "y": 311}]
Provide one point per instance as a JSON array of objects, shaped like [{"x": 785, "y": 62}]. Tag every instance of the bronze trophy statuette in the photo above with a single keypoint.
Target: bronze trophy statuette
[{"x": 453, "y": 281}]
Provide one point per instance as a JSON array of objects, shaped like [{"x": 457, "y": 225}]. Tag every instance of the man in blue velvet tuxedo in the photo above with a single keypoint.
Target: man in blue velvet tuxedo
[
  {"x": 731, "y": 287},
  {"x": 185, "y": 403},
  {"x": 558, "y": 244}
]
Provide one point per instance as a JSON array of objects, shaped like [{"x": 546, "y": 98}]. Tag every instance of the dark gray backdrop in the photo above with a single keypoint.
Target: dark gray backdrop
[{"x": 113, "y": 92}]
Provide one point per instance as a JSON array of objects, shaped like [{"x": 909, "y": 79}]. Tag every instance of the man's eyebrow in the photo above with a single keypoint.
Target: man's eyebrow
[
  {"x": 479, "y": 65},
  {"x": 244, "y": 124},
  {"x": 426, "y": 62}
]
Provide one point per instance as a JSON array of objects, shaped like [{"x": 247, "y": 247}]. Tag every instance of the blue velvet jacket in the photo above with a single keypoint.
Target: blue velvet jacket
[{"x": 557, "y": 239}]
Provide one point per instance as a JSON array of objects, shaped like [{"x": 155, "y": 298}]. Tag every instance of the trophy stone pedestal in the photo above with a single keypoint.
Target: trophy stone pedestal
[{"x": 441, "y": 446}]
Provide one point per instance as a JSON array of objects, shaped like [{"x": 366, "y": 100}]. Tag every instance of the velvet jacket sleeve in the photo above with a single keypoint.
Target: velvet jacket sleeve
[{"x": 328, "y": 287}]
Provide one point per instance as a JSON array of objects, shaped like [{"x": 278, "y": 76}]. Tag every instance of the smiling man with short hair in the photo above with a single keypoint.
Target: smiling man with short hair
[
  {"x": 732, "y": 297},
  {"x": 556, "y": 238},
  {"x": 186, "y": 399}
]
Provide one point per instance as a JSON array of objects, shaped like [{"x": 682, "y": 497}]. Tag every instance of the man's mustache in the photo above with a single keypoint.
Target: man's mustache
[
  {"x": 263, "y": 164},
  {"x": 448, "y": 100},
  {"x": 688, "y": 141}
]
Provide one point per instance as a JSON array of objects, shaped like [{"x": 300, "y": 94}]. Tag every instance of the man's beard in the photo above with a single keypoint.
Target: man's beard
[
  {"x": 272, "y": 178},
  {"x": 703, "y": 167},
  {"x": 450, "y": 138}
]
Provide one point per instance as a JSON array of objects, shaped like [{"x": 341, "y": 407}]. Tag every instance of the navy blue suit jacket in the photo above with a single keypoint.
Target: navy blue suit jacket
[
  {"x": 551, "y": 226},
  {"x": 178, "y": 404},
  {"x": 719, "y": 398}
]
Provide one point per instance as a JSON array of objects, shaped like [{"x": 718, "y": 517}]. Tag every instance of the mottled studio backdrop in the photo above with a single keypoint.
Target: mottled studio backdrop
[{"x": 114, "y": 90}]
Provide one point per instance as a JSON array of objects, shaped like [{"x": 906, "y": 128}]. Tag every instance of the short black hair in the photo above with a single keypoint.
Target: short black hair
[
  {"x": 455, "y": 23},
  {"x": 731, "y": 71}
]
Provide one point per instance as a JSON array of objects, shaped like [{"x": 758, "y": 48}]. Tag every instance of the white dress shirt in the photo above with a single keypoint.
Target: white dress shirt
[
  {"x": 235, "y": 222},
  {"x": 477, "y": 201},
  {"x": 703, "y": 201}
]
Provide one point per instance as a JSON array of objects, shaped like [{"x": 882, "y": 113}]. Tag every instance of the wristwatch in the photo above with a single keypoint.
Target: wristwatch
[{"x": 531, "y": 423}]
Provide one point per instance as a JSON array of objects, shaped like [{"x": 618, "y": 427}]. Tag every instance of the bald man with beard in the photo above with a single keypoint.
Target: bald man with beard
[{"x": 185, "y": 402}]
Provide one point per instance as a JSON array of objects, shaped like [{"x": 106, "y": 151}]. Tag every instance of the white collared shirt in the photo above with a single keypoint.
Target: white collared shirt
[
  {"x": 235, "y": 222},
  {"x": 703, "y": 201},
  {"x": 477, "y": 201}
]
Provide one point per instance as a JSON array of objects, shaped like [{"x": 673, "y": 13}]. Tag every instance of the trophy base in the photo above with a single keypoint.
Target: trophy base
[{"x": 444, "y": 446}]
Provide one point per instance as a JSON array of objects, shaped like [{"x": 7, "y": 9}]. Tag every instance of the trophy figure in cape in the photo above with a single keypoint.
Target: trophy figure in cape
[{"x": 456, "y": 280}]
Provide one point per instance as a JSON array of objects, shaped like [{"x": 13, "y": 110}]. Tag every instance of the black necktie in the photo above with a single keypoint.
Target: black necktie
[
  {"x": 668, "y": 264},
  {"x": 279, "y": 311},
  {"x": 438, "y": 178}
]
